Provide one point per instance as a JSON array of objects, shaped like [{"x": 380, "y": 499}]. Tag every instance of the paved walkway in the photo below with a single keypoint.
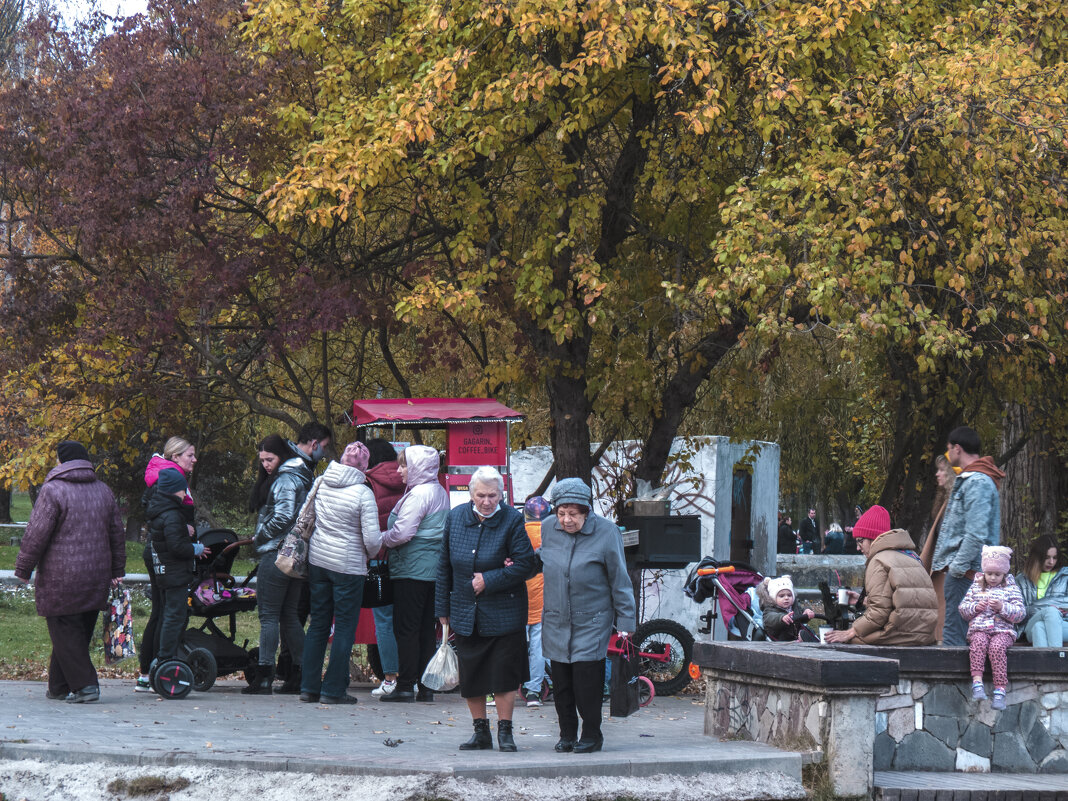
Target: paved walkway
[{"x": 278, "y": 733}]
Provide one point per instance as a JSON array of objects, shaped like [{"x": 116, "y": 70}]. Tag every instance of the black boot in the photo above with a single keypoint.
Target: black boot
[
  {"x": 481, "y": 740},
  {"x": 261, "y": 685},
  {"x": 291, "y": 686},
  {"x": 504, "y": 736}
]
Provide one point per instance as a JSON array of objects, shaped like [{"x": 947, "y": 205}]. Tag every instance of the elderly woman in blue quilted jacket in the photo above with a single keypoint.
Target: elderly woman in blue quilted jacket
[{"x": 481, "y": 592}]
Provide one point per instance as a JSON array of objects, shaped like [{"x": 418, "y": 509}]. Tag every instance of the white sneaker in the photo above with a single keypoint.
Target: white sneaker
[
  {"x": 143, "y": 685},
  {"x": 385, "y": 688}
]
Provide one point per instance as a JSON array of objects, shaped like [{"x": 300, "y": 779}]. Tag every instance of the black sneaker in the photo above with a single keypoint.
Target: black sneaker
[
  {"x": 86, "y": 695},
  {"x": 338, "y": 699},
  {"x": 532, "y": 698}
]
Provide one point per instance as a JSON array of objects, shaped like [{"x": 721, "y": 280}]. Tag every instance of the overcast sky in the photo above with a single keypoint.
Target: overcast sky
[{"x": 74, "y": 9}]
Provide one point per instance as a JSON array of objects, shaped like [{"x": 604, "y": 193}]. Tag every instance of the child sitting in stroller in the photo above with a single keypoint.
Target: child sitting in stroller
[{"x": 784, "y": 617}]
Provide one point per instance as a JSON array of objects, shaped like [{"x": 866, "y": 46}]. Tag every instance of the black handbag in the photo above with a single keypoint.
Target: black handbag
[
  {"x": 377, "y": 588},
  {"x": 624, "y": 691}
]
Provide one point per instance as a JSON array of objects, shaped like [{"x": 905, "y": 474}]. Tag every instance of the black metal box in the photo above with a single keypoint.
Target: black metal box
[{"x": 664, "y": 541}]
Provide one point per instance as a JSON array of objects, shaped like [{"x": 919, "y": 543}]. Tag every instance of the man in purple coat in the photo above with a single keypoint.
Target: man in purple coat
[{"x": 75, "y": 540}]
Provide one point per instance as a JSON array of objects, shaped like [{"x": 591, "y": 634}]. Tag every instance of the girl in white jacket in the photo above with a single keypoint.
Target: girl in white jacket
[{"x": 346, "y": 536}]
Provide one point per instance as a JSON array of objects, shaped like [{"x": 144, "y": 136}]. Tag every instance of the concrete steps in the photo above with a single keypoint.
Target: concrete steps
[{"x": 923, "y": 786}]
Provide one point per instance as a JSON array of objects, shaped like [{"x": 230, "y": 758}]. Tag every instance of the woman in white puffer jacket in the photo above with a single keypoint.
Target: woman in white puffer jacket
[{"x": 346, "y": 536}]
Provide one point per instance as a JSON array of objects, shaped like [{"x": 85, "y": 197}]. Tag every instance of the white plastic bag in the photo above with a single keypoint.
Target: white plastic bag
[{"x": 443, "y": 670}]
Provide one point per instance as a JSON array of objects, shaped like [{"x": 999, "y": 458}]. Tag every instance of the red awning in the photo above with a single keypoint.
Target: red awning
[{"x": 430, "y": 411}]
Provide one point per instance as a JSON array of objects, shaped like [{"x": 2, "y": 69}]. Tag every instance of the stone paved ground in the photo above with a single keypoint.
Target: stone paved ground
[{"x": 271, "y": 747}]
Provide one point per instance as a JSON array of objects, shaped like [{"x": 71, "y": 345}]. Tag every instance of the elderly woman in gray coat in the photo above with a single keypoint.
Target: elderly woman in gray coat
[{"x": 587, "y": 592}]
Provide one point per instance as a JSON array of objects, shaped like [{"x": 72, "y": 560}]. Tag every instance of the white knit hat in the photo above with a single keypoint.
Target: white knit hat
[{"x": 777, "y": 585}]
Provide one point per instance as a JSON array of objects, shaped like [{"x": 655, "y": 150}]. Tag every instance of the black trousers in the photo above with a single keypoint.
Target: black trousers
[
  {"x": 150, "y": 636},
  {"x": 70, "y": 668},
  {"x": 413, "y": 628},
  {"x": 172, "y": 622},
  {"x": 578, "y": 690}
]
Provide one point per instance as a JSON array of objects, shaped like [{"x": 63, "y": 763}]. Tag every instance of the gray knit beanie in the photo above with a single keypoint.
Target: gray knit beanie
[{"x": 572, "y": 490}]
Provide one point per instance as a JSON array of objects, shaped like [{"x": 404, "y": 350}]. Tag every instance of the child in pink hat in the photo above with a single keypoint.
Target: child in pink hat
[{"x": 993, "y": 605}]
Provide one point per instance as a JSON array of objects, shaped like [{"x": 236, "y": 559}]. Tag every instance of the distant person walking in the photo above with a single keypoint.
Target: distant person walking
[
  {"x": 75, "y": 540},
  {"x": 787, "y": 540},
  {"x": 972, "y": 520},
  {"x": 809, "y": 533}
]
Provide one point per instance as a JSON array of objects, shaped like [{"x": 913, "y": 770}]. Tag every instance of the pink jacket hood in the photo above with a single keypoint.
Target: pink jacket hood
[{"x": 158, "y": 463}]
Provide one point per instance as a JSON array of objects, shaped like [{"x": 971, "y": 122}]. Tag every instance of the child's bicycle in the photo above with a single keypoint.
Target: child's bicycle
[
  {"x": 665, "y": 650},
  {"x": 646, "y": 689}
]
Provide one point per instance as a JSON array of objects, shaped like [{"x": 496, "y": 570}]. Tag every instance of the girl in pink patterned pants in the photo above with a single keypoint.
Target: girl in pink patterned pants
[{"x": 993, "y": 605}]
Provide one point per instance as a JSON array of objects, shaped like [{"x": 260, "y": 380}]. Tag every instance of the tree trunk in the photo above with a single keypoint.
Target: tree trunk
[
  {"x": 923, "y": 423},
  {"x": 134, "y": 526},
  {"x": 1033, "y": 485},
  {"x": 5, "y": 505},
  {"x": 569, "y": 431}
]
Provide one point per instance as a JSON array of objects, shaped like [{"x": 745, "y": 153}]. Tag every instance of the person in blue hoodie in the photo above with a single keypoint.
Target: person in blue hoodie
[{"x": 173, "y": 558}]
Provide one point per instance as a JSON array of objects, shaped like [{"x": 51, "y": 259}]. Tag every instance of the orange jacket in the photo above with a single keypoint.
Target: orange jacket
[{"x": 534, "y": 585}]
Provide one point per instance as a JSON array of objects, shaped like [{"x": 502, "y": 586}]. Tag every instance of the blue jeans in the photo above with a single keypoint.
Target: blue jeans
[
  {"x": 387, "y": 643},
  {"x": 1047, "y": 628},
  {"x": 335, "y": 597},
  {"x": 534, "y": 657},
  {"x": 955, "y": 630},
  {"x": 277, "y": 600}
]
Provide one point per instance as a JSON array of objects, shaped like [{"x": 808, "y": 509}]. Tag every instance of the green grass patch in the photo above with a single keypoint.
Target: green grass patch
[{"x": 135, "y": 563}]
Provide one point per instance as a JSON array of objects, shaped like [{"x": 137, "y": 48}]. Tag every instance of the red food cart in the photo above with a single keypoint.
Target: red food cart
[{"x": 477, "y": 432}]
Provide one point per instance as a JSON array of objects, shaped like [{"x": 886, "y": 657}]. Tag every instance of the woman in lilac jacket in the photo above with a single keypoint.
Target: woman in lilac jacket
[
  {"x": 75, "y": 540},
  {"x": 414, "y": 536}
]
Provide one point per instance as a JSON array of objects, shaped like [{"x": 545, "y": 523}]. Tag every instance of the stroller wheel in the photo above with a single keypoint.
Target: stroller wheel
[
  {"x": 173, "y": 680},
  {"x": 205, "y": 670}
]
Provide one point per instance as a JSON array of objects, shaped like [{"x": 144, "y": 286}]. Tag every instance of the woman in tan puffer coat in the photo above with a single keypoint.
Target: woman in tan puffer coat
[{"x": 900, "y": 603}]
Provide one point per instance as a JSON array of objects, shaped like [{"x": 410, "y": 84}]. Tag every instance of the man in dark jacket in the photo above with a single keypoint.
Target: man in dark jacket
[
  {"x": 173, "y": 555},
  {"x": 75, "y": 541},
  {"x": 809, "y": 533}
]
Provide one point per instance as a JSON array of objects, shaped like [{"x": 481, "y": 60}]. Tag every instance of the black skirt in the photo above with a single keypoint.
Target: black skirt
[{"x": 492, "y": 664}]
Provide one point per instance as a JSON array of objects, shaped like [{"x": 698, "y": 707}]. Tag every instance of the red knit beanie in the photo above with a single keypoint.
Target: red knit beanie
[{"x": 872, "y": 523}]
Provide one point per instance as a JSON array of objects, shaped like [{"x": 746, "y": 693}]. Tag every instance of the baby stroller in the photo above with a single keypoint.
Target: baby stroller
[
  {"x": 208, "y": 650},
  {"x": 732, "y": 589}
]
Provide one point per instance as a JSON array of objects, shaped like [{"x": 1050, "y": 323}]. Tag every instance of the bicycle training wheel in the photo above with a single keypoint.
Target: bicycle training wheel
[
  {"x": 665, "y": 649},
  {"x": 646, "y": 691}
]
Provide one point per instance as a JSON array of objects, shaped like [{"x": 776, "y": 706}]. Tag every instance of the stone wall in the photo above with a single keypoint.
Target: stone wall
[
  {"x": 936, "y": 726},
  {"x": 833, "y": 725},
  {"x": 796, "y": 719}
]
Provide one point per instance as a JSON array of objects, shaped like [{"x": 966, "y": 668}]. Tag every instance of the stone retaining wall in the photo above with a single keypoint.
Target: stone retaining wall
[{"x": 936, "y": 726}]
